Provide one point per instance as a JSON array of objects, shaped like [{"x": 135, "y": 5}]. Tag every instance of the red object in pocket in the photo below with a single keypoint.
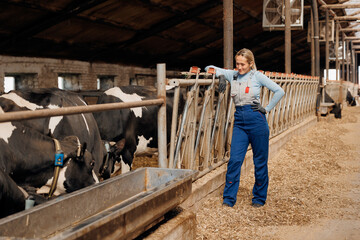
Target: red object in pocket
[{"x": 247, "y": 90}]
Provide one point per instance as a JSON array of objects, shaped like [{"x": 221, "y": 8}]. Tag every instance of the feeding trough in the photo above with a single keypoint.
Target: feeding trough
[{"x": 118, "y": 208}]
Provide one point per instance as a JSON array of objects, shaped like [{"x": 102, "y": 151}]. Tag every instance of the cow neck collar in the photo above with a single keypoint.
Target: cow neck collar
[{"x": 57, "y": 167}]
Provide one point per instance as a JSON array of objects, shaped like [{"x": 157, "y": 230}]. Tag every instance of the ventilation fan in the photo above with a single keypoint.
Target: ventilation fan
[{"x": 274, "y": 14}]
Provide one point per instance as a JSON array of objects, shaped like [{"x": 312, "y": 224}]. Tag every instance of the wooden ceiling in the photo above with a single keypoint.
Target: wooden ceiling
[{"x": 146, "y": 32}]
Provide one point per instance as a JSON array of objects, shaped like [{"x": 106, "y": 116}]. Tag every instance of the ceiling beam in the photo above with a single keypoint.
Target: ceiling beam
[
  {"x": 349, "y": 29},
  {"x": 51, "y": 19},
  {"x": 347, "y": 18},
  {"x": 247, "y": 12},
  {"x": 340, "y": 6},
  {"x": 352, "y": 38},
  {"x": 172, "y": 22}
]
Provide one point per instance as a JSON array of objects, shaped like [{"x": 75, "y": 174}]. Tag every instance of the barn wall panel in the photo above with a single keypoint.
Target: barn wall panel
[{"x": 47, "y": 70}]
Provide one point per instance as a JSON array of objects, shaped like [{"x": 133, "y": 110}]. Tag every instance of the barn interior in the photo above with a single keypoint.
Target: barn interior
[{"x": 146, "y": 32}]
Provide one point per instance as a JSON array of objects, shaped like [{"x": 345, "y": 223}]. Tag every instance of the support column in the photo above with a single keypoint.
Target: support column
[
  {"x": 312, "y": 45},
  {"x": 314, "y": 9},
  {"x": 161, "y": 92},
  {"x": 287, "y": 37},
  {"x": 327, "y": 44},
  {"x": 228, "y": 34},
  {"x": 343, "y": 56}
]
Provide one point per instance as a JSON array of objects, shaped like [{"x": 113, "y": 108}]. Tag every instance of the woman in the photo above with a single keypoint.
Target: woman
[{"x": 250, "y": 125}]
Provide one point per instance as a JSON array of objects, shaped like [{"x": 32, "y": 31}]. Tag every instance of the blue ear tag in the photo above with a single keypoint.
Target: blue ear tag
[{"x": 59, "y": 158}]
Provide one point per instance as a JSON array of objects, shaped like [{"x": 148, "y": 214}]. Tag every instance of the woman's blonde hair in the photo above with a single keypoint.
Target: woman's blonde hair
[{"x": 248, "y": 55}]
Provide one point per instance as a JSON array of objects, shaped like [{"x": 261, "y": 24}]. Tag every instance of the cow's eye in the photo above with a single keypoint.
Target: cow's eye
[{"x": 92, "y": 163}]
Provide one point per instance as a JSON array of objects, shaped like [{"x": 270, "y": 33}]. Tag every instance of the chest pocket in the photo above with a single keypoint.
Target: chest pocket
[{"x": 236, "y": 92}]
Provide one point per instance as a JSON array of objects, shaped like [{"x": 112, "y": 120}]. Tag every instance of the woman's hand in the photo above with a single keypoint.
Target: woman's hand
[{"x": 257, "y": 107}]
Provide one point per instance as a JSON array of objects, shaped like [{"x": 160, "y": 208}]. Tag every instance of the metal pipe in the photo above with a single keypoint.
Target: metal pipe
[
  {"x": 343, "y": 57},
  {"x": 189, "y": 82},
  {"x": 221, "y": 97},
  {"x": 312, "y": 45},
  {"x": 340, "y": 6},
  {"x": 162, "y": 138},
  {"x": 173, "y": 126},
  {"x": 228, "y": 116},
  {"x": 24, "y": 115},
  {"x": 337, "y": 50},
  {"x": 228, "y": 33},
  {"x": 347, "y": 62},
  {"x": 207, "y": 97},
  {"x": 287, "y": 37},
  {"x": 326, "y": 45},
  {"x": 316, "y": 38}
]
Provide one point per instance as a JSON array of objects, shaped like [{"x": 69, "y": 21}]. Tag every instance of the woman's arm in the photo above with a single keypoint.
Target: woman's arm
[
  {"x": 229, "y": 74},
  {"x": 278, "y": 91}
]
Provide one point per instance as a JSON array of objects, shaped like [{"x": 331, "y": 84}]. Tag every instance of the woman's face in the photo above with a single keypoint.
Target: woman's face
[{"x": 242, "y": 65}]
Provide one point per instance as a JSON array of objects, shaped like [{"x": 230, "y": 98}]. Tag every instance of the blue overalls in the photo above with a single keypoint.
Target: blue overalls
[{"x": 249, "y": 127}]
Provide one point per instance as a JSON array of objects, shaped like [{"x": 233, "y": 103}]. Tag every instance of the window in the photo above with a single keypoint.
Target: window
[
  {"x": 105, "y": 82},
  {"x": 9, "y": 84},
  {"x": 68, "y": 81},
  {"x": 13, "y": 81}
]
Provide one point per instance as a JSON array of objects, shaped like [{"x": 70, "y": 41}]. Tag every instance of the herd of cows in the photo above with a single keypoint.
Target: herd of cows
[{"x": 91, "y": 143}]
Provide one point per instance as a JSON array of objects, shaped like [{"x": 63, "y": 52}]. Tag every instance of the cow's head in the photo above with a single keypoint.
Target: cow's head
[
  {"x": 336, "y": 110},
  {"x": 79, "y": 170},
  {"x": 109, "y": 159},
  {"x": 117, "y": 152}
]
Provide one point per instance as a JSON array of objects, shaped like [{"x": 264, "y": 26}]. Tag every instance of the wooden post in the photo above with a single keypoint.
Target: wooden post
[
  {"x": 347, "y": 62},
  {"x": 327, "y": 45},
  {"x": 343, "y": 56},
  {"x": 161, "y": 91},
  {"x": 287, "y": 37},
  {"x": 228, "y": 34},
  {"x": 312, "y": 45},
  {"x": 337, "y": 62},
  {"x": 314, "y": 9}
]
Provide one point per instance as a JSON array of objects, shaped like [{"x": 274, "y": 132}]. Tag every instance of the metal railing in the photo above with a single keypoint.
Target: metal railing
[
  {"x": 201, "y": 139},
  {"x": 201, "y": 135}
]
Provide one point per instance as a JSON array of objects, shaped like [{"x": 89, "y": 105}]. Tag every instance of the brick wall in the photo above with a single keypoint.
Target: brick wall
[{"x": 46, "y": 72}]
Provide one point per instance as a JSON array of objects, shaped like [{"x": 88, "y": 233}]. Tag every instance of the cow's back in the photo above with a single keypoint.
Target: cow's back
[{"x": 81, "y": 125}]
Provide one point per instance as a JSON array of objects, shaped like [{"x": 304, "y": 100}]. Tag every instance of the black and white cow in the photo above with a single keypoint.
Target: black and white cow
[
  {"x": 350, "y": 99},
  {"x": 27, "y": 161},
  {"x": 83, "y": 126},
  {"x": 134, "y": 130},
  {"x": 336, "y": 109}
]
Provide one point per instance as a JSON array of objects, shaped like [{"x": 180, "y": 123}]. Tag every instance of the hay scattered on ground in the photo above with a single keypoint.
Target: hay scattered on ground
[
  {"x": 139, "y": 162},
  {"x": 308, "y": 181}
]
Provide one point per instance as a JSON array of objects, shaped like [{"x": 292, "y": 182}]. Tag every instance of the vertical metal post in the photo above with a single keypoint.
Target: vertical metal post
[
  {"x": 228, "y": 34},
  {"x": 287, "y": 37},
  {"x": 353, "y": 63},
  {"x": 337, "y": 61},
  {"x": 343, "y": 56},
  {"x": 174, "y": 121},
  {"x": 161, "y": 92},
  {"x": 314, "y": 9},
  {"x": 347, "y": 61},
  {"x": 337, "y": 50},
  {"x": 327, "y": 44},
  {"x": 312, "y": 45}
]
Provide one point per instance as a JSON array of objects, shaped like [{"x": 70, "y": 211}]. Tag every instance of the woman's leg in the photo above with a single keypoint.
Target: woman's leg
[
  {"x": 239, "y": 145},
  {"x": 260, "y": 148}
]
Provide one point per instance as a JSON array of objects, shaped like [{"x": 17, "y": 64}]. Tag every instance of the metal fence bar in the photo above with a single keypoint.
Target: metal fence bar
[
  {"x": 24, "y": 115},
  {"x": 297, "y": 104}
]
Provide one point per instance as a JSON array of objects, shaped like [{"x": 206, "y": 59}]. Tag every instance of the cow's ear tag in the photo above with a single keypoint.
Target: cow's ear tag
[
  {"x": 59, "y": 158},
  {"x": 247, "y": 90}
]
